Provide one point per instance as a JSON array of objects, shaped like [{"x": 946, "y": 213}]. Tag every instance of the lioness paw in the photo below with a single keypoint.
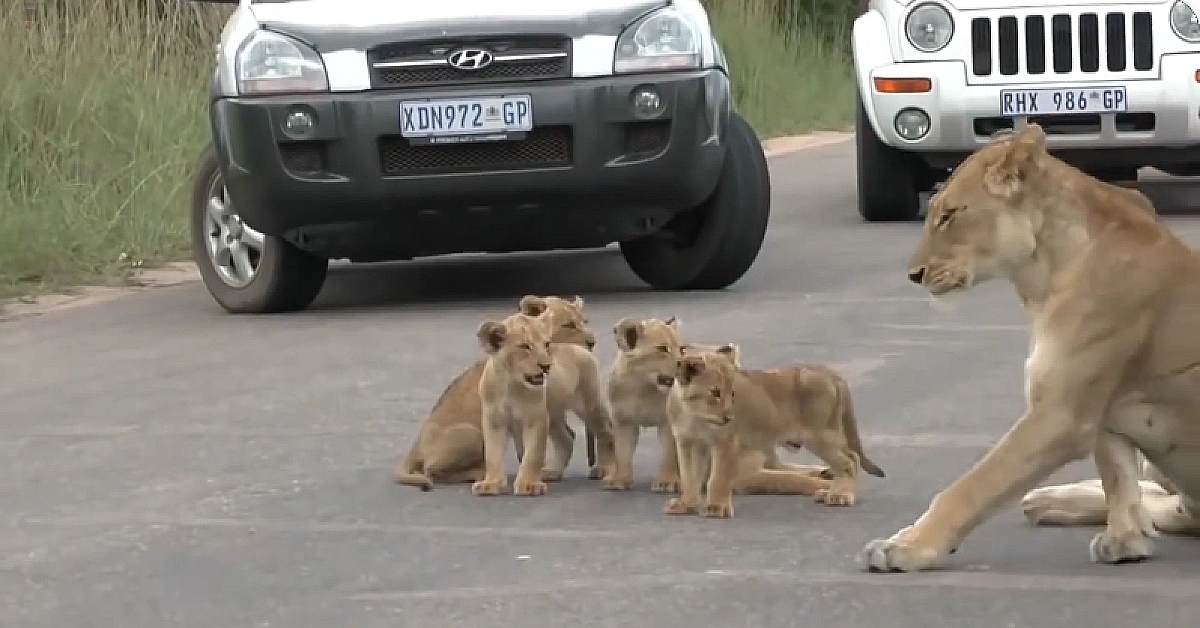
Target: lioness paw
[
  {"x": 718, "y": 511},
  {"x": 551, "y": 475},
  {"x": 1128, "y": 547},
  {"x": 679, "y": 507},
  {"x": 834, "y": 498},
  {"x": 667, "y": 485},
  {"x": 595, "y": 473},
  {"x": 530, "y": 488},
  {"x": 617, "y": 484},
  {"x": 485, "y": 488},
  {"x": 899, "y": 553}
]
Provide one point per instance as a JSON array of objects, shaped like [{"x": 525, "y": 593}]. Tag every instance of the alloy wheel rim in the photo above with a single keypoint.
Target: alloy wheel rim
[{"x": 234, "y": 248}]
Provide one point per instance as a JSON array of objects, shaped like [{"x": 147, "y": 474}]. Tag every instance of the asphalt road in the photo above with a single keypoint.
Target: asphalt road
[{"x": 163, "y": 464}]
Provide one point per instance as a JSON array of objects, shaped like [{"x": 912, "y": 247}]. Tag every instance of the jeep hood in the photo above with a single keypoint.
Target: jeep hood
[{"x": 329, "y": 25}]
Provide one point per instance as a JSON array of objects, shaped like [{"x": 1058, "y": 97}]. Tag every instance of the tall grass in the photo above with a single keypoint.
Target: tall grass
[{"x": 103, "y": 114}]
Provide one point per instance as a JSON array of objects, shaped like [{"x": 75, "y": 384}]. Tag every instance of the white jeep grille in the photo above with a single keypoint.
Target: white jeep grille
[{"x": 1113, "y": 42}]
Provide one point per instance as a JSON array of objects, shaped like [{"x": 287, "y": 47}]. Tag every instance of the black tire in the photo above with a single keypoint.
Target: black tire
[
  {"x": 287, "y": 279},
  {"x": 890, "y": 181},
  {"x": 725, "y": 233}
]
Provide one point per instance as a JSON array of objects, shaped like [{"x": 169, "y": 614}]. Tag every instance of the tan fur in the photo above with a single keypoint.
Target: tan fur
[
  {"x": 639, "y": 378},
  {"x": 740, "y": 415},
  {"x": 449, "y": 448},
  {"x": 1113, "y": 303}
]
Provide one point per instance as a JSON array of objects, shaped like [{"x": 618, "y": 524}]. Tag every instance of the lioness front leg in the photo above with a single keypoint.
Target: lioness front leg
[
  {"x": 529, "y": 474},
  {"x": 667, "y": 478},
  {"x": 1129, "y": 534},
  {"x": 722, "y": 471},
  {"x": 625, "y": 438},
  {"x": 692, "y": 459},
  {"x": 495, "y": 445},
  {"x": 1038, "y": 444}
]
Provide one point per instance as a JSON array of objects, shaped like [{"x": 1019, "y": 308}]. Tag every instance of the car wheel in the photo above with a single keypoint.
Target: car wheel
[
  {"x": 712, "y": 246},
  {"x": 247, "y": 272},
  {"x": 890, "y": 181}
]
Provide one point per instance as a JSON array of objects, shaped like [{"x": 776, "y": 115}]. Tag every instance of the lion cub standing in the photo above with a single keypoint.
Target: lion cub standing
[
  {"x": 741, "y": 414},
  {"x": 512, "y": 390},
  {"x": 640, "y": 376}
]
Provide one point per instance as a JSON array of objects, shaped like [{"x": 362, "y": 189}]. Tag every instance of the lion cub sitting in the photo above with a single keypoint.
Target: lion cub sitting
[
  {"x": 642, "y": 373},
  {"x": 449, "y": 447},
  {"x": 740, "y": 414}
]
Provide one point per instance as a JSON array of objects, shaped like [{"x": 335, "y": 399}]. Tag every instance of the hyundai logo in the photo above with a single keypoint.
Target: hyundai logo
[{"x": 470, "y": 59}]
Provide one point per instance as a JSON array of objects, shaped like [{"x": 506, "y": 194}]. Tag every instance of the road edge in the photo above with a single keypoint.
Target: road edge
[{"x": 177, "y": 273}]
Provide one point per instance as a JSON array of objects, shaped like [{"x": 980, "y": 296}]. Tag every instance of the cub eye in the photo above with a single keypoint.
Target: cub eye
[
  {"x": 526, "y": 346},
  {"x": 946, "y": 217},
  {"x": 716, "y": 393},
  {"x": 664, "y": 349},
  {"x": 569, "y": 325},
  {"x": 547, "y": 346}
]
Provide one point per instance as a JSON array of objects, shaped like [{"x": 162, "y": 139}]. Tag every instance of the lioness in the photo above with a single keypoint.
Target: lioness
[
  {"x": 449, "y": 446},
  {"x": 1113, "y": 300},
  {"x": 740, "y": 415},
  {"x": 512, "y": 389},
  {"x": 639, "y": 378}
]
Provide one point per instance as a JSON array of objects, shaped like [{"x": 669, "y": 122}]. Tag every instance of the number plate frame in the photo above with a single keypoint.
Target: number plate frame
[
  {"x": 1041, "y": 102},
  {"x": 489, "y": 110}
]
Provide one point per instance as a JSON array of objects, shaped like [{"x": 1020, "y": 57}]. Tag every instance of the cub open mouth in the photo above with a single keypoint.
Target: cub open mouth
[
  {"x": 535, "y": 380},
  {"x": 665, "y": 380}
]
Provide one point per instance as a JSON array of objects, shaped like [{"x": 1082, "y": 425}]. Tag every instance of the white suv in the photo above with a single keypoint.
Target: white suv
[{"x": 1115, "y": 84}]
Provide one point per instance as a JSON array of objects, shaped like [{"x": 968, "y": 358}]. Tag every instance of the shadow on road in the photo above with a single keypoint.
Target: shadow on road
[{"x": 466, "y": 278}]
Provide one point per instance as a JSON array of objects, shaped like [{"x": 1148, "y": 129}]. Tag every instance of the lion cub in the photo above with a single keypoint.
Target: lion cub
[
  {"x": 512, "y": 390},
  {"x": 642, "y": 373},
  {"x": 449, "y": 447},
  {"x": 740, "y": 414}
]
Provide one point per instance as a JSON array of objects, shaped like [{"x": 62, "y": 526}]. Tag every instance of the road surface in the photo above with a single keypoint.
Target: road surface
[{"x": 165, "y": 465}]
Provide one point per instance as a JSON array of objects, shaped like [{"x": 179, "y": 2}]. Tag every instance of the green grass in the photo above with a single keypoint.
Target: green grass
[{"x": 102, "y": 116}]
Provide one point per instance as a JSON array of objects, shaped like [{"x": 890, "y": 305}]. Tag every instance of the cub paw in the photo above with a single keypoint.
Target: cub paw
[
  {"x": 825, "y": 474},
  {"x": 486, "y": 488},
  {"x": 529, "y": 488},
  {"x": 551, "y": 475},
  {"x": 718, "y": 511},
  {"x": 617, "y": 484},
  {"x": 669, "y": 485},
  {"x": 1129, "y": 547},
  {"x": 834, "y": 498},
  {"x": 595, "y": 473},
  {"x": 679, "y": 507},
  {"x": 899, "y": 553}
]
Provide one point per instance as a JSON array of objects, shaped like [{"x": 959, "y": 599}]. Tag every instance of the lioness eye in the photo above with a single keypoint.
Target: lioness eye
[
  {"x": 569, "y": 325},
  {"x": 946, "y": 217},
  {"x": 547, "y": 345},
  {"x": 664, "y": 349},
  {"x": 716, "y": 393},
  {"x": 525, "y": 346}
]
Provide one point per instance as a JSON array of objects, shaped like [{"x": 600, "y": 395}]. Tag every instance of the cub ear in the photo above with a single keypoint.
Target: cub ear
[
  {"x": 491, "y": 336},
  {"x": 627, "y": 332},
  {"x": 532, "y": 305},
  {"x": 673, "y": 323},
  {"x": 577, "y": 301},
  {"x": 690, "y": 367},
  {"x": 730, "y": 351},
  {"x": 1005, "y": 176}
]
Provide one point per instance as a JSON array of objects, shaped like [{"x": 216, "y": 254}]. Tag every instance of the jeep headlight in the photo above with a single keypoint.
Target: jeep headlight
[
  {"x": 270, "y": 63},
  {"x": 663, "y": 40},
  {"x": 1184, "y": 22},
  {"x": 929, "y": 27}
]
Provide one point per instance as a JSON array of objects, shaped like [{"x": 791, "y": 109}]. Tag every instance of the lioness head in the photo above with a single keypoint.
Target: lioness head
[
  {"x": 728, "y": 351},
  {"x": 566, "y": 320},
  {"x": 650, "y": 349},
  {"x": 519, "y": 346},
  {"x": 983, "y": 223},
  {"x": 705, "y": 384}
]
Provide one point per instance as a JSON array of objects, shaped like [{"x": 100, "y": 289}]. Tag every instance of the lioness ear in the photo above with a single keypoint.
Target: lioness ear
[
  {"x": 673, "y": 323},
  {"x": 491, "y": 336},
  {"x": 577, "y": 301},
  {"x": 689, "y": 368},
  {"x": 532, "y": 305},
  {"x": 627, "y": 331},
  {"x": 731, "y": 351},
  {"x": 1024, "y": 156}
]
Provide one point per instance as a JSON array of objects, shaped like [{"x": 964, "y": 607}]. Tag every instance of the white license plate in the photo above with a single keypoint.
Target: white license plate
[
  {"x": 466, "y": 119},
  {"x": 1026, "y": 102}
]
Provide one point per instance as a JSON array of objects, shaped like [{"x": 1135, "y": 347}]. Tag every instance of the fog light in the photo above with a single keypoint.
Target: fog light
[
  {"x": 299, "y": 123},
  {"x": 912, "y": 124},
  {"x": 646, "y": 102}
]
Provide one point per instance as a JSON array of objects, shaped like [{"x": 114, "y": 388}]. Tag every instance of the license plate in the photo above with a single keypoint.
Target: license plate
[
  {"x": 452, "y": 121},
  {"x": 1025, "y": 102}
]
